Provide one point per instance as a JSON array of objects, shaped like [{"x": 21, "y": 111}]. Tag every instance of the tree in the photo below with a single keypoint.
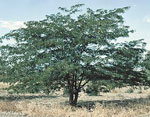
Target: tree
[
  {"x": 146, "y": 64},
  {"x": 66, "y": 50},
  {"x": 147, "y": 60},
  {"x": 2, "y": 68}
]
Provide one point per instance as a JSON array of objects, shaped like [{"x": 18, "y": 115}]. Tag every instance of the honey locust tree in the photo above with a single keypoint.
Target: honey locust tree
[
  {"x": 69, "y": 50},
  {"x": 146, "y": 64}
]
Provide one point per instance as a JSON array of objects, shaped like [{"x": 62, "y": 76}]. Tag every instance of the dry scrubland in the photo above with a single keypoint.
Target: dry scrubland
[{"x": 119, "y": 103}]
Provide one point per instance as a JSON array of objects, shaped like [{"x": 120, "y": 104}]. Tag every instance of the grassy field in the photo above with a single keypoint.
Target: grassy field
[{"x": 119, "y": 103}]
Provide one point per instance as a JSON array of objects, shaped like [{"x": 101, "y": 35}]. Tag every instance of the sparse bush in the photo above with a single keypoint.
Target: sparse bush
[
  {"x": 130, "y": 90},
  {"x": 92, "y": 90},
  {"x": 140, "y": 90},
  {"x": 65, "y": 92},
  {"x": 146, "y": 87},
  {"x": 96, "y": 87}
]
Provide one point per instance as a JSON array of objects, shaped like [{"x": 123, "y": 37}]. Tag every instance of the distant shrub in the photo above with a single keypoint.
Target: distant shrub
[
  {"x": 130, "y": 90},
  {"x": 140, "y": 89},
  {"x": 96, "y": 87},
  {"x": 146, "y": 87},
  {"x": 92, "y": 90},
  {"x": 65, "y": 91}
]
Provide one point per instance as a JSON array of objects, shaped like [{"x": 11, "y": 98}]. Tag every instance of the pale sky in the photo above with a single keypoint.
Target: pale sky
[{"x": 14, "y": 12}]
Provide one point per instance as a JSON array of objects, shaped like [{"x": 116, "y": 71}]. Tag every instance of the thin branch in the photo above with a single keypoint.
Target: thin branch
[
  {"x": 84, "y": 83},
  {"x": 81, "y": 80}
]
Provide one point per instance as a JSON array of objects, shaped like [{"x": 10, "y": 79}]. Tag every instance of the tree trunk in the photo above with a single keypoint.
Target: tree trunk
[
  {"x": 73, "y": 98},
  {"x": 70, "y": 97}
]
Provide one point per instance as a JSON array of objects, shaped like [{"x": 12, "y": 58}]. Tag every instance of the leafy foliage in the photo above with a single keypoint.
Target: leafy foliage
[
  {"x": 146, "y": 64},
  {"x": 66, "y": 50}
]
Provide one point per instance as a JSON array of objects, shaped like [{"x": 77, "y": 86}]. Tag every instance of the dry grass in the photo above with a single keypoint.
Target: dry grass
[
  {"x": 115, "y": 104},
  {"x": 35, "y": 109}
]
